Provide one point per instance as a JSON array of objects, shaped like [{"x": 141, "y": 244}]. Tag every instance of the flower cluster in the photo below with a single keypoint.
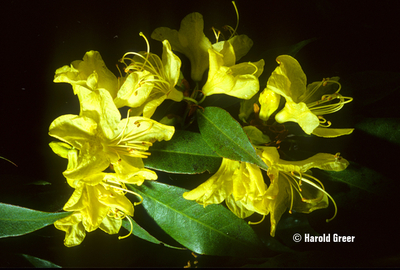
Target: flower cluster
[
  {"x": 98, "y": 139},
  {"x": 105, "y": 151}
]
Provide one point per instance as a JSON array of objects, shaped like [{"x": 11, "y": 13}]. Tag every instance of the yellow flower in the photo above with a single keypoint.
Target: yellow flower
[
  {"x": 293, "y": 187},
  {"x": 239, "y": 183},
  {"x": 103, "y": 139},
  {"x": 305, "y": 105},
  {"x": 91, "y": 73},
  {"x": 97, "y": 205},
  {"x": 189, "y": 40},
  {"x": 150, "y": 81},
  {"x": 224, "y": 77}
]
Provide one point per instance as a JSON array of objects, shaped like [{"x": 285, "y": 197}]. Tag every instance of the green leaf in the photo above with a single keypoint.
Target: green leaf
[
  {"x": 384, "y": 128},
  {"x": 226, "y": 137},
  {"x": 40, "y": 263},
  {"x": 16, "y": 220},
  {"x": 138, "y": 231},
  {"x": 186, "y": 152},
  {"x": 213, "y": 230},
  {"x": 357, "y": 176}
]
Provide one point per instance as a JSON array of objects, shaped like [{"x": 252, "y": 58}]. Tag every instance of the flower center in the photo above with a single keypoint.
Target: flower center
[
  {"x": 129, "y": 143},
  {"x": 150, "y": 66}
]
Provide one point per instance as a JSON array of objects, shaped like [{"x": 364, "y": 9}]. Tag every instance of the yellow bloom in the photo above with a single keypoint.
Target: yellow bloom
[
  {"x": 239, "y": 183},
  {"x": 97, "y": 205},
  {"x": 150, "y": 81},
  {"x": 224, "y": 77},
  {"x": 293, "y": 187},
  {"x": 91, "y": 73},
  {"x": 189, "y": 40},
  {"x": 104, "y": 138},
  {"x": 304, "y": 104}
]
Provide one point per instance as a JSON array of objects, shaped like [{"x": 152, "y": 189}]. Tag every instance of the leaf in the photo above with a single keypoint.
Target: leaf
[
  {"x": 226, "y": 137},
  {"x": 16, "y": 220},
  {"x": 384, "y": 128},
  {"x": 357, "y": 176},
  {"x": 186, "y": 152},
  {"x": 138, "y": 231},
  {"x": 40, "y": 263},
  {"x": 213, "y": 230}
]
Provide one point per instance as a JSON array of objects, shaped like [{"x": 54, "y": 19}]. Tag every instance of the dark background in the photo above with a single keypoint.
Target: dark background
[{"x": 37, "y": 37}]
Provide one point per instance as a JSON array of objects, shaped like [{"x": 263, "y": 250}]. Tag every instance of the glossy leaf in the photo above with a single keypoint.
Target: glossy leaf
[
  {"x": 186, "y": 153},
  {"x": 16, "y": 220},
  {"x": 213, "y": 230},
  {"x": 226, "y": 137},
  {"x": 40, "y": 263},
  {"x": 138, "y": 231}
]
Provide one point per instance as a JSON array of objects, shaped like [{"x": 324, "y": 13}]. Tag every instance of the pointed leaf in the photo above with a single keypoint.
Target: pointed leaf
[
  {"x": 226, "y": 137},
  {"x": 213, "y": 230},
  {"x": 16, "y": 220},
  {"x": 186, "y": 152},
  {"x": 138, "y": 231},
  {"x": 40, "y": 263}
]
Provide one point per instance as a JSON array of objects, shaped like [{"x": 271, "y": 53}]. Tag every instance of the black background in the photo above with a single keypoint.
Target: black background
[{"x": 37, "y": 37}]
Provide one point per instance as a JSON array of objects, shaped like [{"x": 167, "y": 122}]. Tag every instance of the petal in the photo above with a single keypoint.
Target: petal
[
  {"x": 90, "y": 161},
  {"x": 114, "y": 200},
  {"x": 111, "y": 225},
  {"x": 171, "y": 64},
  {"x": 80, "y": 71},
  {"x": 131, "y": 170},
  {"x": 241, "y": 44},
  {"x": 323, "y": 161},
  {"x": 135, "y": 90},
  {"x": 190, "y": 40},
  {"x": 237, "y": 81},
  {"x": 288, "y": 79},
  {"x": 281, "y": 202},
  {"x": 331, "y": 132},
  {"x": 237, "y": 207},
  {"x": 95, "y": 211},
  {"x": 217, "y": 187},
  {"x": 269, "y": 101},
  {"x": 74, "y": 230},
  {"x": 60, "y": 148},
  {"x": 300, "y": 113},
  {"x": 73, "y": 129},
  {"x": 146, "y": 130},
  {"x": 99, "y": 105}
]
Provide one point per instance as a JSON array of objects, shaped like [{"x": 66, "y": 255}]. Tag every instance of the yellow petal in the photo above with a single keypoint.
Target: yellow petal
[
  {"x": 269, "y": 101},
  {"x": 288, "y": 79},
  {"x": 217, "y": 187},
  {"x": 190, "y": 40},
  {"x": 238, "y": 81},
  {"x": 74, "y": 230},
  {"x": 332, "y": 132},
  {"x": 299, "y": 113}
]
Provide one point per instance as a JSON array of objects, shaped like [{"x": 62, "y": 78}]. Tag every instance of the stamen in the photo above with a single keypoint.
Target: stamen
[
  {"x": 216, "y": 34},
  {"x": 323, "y": 191},
  {"x": 148, "y": 47},
  {"x": 130, "y": 232},
  {"x": 237, "y": 16},
  {"x": 125, "y": 190},
  {"x": 258, "y": 222}
]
